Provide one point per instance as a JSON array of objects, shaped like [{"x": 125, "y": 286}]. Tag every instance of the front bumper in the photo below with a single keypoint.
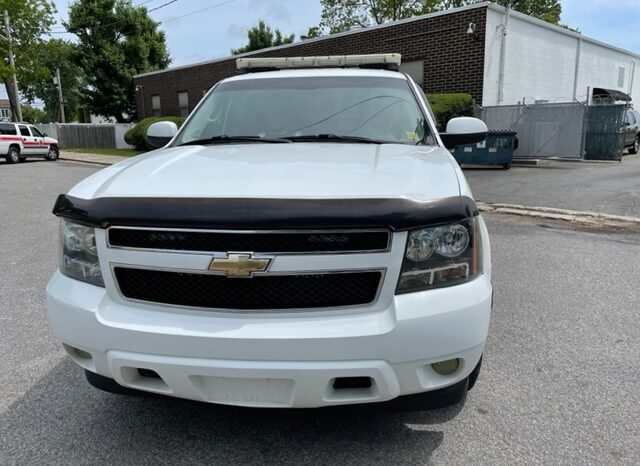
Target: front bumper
[{"x": 275, "y": 360}]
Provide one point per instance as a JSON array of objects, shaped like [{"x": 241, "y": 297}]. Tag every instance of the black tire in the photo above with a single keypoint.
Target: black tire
[
  {"x": 636, "y": 146},
  {"x": 22, "y": 158},
  {"x": 506, "y": 166},
  {"x": 53, "y": 154},
  {"x": 473, "y": 377},
  {"x": 111, "y": 386},
  {"x": 13, "y": 156}
]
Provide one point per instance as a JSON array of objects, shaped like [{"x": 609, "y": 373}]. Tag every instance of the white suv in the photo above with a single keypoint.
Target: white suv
[
  {"x": 304, "y": 240},
  {"x": 21, "y": 140}
]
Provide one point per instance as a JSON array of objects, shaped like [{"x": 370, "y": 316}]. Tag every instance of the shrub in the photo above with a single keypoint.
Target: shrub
[
  {"x": 137, "y": 136},
  {"x": 448, "y": 106}
]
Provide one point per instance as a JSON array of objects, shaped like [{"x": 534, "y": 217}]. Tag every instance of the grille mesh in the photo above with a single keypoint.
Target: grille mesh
[
  {"x": 259, "y": 292},
  {"x": 254, "y": 242}
]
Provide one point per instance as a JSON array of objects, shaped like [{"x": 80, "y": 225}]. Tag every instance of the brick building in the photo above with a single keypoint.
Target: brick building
[{"x": 458, "y": 50}]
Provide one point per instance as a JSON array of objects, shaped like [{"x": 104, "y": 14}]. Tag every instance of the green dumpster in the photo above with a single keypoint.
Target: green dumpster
[{"x": 497, "y": 149}]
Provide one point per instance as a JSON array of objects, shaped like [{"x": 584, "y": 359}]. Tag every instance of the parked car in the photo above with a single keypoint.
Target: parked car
[
  {"x": 304, "y": 240},
  {"x": 631, "y": 131},
  {"x": 21, "y": 140}
]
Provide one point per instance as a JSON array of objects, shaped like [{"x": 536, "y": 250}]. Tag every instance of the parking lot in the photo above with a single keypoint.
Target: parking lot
[{"x": 560, "y": 381}]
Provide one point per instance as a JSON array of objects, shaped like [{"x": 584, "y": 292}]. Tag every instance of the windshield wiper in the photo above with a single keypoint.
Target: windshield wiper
[
  {"x": 336, "y": 137},
  {"x": 224, "y": 139}
]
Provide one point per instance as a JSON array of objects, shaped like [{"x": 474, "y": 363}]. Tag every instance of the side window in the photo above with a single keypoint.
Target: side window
[
  {"x": 24, "y": 131},
  {"x": 7, "y": 128},
  {"x": 36, "y": 132},
  {"x": 155, "y": 105}
]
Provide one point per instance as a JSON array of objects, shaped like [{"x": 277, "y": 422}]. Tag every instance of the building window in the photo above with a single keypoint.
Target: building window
[
  {"x": 621, "y": 73},
  {"x": 155, "y": 105},
  {"x": 415, "y": 69},
  {"x": 4, "y": 113},
  {"x": 183, "y": 104}
]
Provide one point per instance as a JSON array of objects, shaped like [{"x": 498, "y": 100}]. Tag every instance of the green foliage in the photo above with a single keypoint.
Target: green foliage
[
  {"x": 448, "y": 106},
  {"x": 34, "y": 115},
  {"x": 29, "y": 21},
  {"x": 261, "y": 36},
  {"x": 343, "y": 15},
  {"x": 51, "y": 55},
  {"x": 137, "y": 136},
  {"x": 116, "y": 41}
]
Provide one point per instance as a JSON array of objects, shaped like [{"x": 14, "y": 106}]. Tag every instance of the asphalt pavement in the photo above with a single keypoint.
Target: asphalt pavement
[
  {"x": 560, "y": 382},
  {"x": 608, "y": 187}
]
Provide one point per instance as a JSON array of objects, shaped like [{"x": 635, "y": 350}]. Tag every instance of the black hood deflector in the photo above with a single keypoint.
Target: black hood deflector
[{"x": 263, "y": 214}]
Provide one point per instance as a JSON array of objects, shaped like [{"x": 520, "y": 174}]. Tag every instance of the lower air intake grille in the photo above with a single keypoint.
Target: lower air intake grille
[{"x": 259, "y": 292}]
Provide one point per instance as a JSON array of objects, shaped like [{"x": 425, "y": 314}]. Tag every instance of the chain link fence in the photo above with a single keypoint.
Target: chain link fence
[{"x": 560, "y": 130}]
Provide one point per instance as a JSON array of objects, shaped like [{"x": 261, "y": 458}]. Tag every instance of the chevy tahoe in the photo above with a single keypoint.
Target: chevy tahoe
[{"x": 305, "y": 239}]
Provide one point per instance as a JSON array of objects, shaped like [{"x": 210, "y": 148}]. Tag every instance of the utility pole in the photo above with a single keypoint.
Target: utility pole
[
  {"x": 7, "y": 30},
  {"x": 60, "y": 99}
]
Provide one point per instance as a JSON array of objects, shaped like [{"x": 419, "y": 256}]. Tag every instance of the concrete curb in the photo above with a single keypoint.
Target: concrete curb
[
  {"x": 94, "y": 159},
  {"x": 594, "y": 219}
]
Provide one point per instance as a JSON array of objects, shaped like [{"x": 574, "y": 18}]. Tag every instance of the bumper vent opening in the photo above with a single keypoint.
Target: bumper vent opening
[
  {"x": 144, "y": 379},
  {"x": 149, "y": 373},
  {"x": 342, "y": 383}
]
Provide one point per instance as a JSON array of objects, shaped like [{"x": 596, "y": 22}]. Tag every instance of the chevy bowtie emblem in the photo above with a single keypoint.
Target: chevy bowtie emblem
[{"x": 239, "y": 265}]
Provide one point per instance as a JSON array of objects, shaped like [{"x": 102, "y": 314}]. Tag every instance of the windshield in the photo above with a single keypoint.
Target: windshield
[{"x": 381, "y": 109}]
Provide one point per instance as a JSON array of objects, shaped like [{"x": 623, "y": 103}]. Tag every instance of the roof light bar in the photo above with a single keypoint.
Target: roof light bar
[{"x": 387, "y": 61}]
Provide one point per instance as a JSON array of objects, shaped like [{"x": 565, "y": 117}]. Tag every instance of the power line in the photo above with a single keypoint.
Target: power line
[
  {"x": 157, "y": 8},
  {"x": 161, "y": 6},
  {"x": 196, "y": 12}
]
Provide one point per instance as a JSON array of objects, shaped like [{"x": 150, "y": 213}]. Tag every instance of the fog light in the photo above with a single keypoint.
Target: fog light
[{"x": 447, "y": 367}]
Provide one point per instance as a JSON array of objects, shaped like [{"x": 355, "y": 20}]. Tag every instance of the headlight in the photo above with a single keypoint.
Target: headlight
[
  {"x": 441, "y": 256},
  {"x": 79, "y": 254}
]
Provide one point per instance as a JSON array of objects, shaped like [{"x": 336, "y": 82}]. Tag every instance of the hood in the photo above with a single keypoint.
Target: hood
[
  {"x": 280, "y": 171},
  {"x": 48, "y": 140}
]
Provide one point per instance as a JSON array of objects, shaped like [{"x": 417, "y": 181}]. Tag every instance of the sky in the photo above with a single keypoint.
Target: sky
[{"x": 223, "y": 24}]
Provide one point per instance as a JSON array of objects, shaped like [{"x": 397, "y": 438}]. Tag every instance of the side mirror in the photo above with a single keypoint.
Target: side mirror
[
  {"x": 159, "y": 134},
  {"x": 464, "y": 130},
  {"x": 45, "y": 135}
]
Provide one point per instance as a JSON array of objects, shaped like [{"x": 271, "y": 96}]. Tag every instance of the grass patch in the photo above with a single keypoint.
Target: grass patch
[{"x": 108, "y": 151}]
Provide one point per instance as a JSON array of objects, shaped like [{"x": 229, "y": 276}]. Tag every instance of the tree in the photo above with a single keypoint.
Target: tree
[
  {"x": 343, "y": 15},
  {"x": 261, "y": 37},
  {"x": 34, "y": 115},
  {"x": 116, "y": 41},
  {"x": 29, "y": 21},
  {"x": 57, "y": 53}
]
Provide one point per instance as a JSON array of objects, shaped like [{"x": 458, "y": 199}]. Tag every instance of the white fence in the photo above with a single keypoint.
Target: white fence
[{"x": 80, "y": 135}]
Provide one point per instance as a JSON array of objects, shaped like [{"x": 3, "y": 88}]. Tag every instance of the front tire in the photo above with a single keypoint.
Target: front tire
[
  {"x": 473, "y": 377},
  {"x": 636, "y": 146},
  {"x": 13, "y": 156},
  {"x": 53, "y": 154}
]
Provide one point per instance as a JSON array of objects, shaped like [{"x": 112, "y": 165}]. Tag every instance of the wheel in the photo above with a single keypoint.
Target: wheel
[
  {"x": 473, "y": 377},
  {"x": 109, "y": 385},
  {"x": 13, "y": 156},
  {"x": 506, "y": 166},
  {"x": 636, "y": 146},
  {"x": 53, "y": 153}
]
